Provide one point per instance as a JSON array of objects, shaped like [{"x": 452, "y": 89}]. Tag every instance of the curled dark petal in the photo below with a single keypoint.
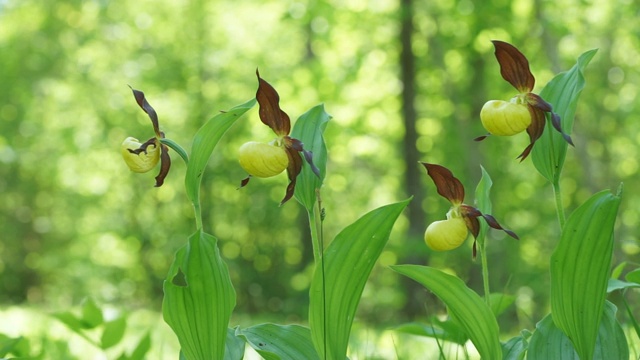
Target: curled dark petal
[
  {"x": 245, "y": 181},
  {"x": 494, "y": 224},
  {"x": 473, "y": 224},
  {"x": 294, "y": 168},
  {"x": 539, "y": 102},
  {"x": 480, "y": 138},
  {"x": 474, "y": 249},
  {"x": 143, "y": 147},
  {"x": 514, "y": 66},
  {"x": 447, "y": 185},
  {"x": 555, "y": 121},
  {"x": 146, "y": 107},
  {"x": 534, "y": 130},
  {"x": 270, "y": 112},
  {"x": 297, "y": 145},
  {"x": 165, "y": 165}
]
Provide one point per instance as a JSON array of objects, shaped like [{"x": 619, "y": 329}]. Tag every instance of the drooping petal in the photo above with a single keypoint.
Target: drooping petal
[
  {"x": 448, "y": 186},
  {"x": 538, "y": 102},
  {"x": 270, "y": 112},
  {"x": 534, "y": 130},
  {"x": 165, "y": 164},
  {"x": 297, "y": 145},
  {"x": 294, "y": 168},
  {"x": 514, "y": 66},
  {"x": 146, "y": 107},
  {"x": 471, "y": 214}
]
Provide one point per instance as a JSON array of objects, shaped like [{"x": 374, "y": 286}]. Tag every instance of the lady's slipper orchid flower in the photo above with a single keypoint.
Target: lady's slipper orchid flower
[
  {"x": 267, "y": 160},
  {"x": 144, "y": 157},
  {"x": 525, "y": 110},
  {"x": 451, "y": 233}
]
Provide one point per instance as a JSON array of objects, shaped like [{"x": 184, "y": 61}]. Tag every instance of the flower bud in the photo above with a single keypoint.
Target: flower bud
[
  {"x": 446, "y": 234},
  {"x": 505, "y": 118},
  {"x": 138, "y": 158},
  {"x": 263, "y": 160}
]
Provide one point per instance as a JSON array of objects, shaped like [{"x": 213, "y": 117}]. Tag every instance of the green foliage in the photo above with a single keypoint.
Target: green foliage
[
  {"x": 563, "y": 93},
  {"x": 199, "y": 298},
  {"x": 549, "y": 342},
  {"x": 580, "y": 268},
  {"x": 280, "y": 342},
  {"x": 234, "y": 346},
  {"x": 473, "y": 314},
  {"x": 339, "y": 280}
]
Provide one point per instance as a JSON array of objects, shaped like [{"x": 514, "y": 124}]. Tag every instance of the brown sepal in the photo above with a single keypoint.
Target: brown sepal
[
  {"x": 448, "y": 186},
  {"x": 534, "y": 130},
  {"x": 297, "y": 145},
  {"x": 270, "y": 112},
  {"x": 244, "y": 181},
  {"x": 165, "y": 164},
  {"x": 538, "y": 102},
  {"x": 514, "y": 66},
  {"x": 480, "y": 138},
  {"x": 146, "y": 107},
  {"x": 294, "y": 168},
  {"x": 471, "y": 214}
]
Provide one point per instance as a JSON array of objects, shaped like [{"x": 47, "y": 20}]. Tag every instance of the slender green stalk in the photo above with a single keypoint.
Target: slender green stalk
[
  {"x": 316, "y": 218},
  {"x": 485, "y": 270},
  {"x": 559, "y": 207},
  {"x": 198, "y": 214}
]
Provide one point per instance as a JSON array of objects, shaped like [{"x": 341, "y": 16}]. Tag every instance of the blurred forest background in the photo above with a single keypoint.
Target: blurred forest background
[{"x": 404, "y": 81}]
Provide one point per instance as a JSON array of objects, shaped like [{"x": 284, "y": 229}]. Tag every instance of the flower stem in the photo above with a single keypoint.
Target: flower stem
[
  {"x": 559, "y": 207},
  {"x": 198, "y": 214},
  {"x": 316, "y": 217},
  {"x": 485, "y": 271}
]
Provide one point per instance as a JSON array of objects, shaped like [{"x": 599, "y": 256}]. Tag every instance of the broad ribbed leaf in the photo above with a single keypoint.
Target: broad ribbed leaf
[
  {"x": 199, "y": 298},
  {"x": 309, "y": 129},
  {"x": 348, "y": 261},
  {"x": 562, "y": 92},
  {"x": 285, "y": 342},
  {"x": 580, "y": 267},
  {"x": 205, "y": 141},
  {"x": 549, "y": 342},
  {"x": 468, "y": 308}
]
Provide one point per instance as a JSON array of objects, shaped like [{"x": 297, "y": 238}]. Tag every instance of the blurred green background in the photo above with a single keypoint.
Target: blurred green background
[{"x": 75, "y": 222}]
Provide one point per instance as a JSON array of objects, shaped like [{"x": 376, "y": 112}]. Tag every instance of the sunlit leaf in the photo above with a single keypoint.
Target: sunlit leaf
[
  {"x": 144, "y": 345},
  {"x": 205, "y": 141},
  {"x": 549, "y": 342},
  {"x": 348, "y": 261},
  {"x": 309, "y": 129},
  {"x": 18, "y": 346},
  {"x": 580, "y": 267},
  {"x": 199, "y": 298},
  {"x": 468, "y": 308},
  {"x": 91, "y": 314},
  {"x": 562, "y": 92},
  {"x": 285, "y": 342},
  {"x": 514, "y": 66},
  {"x": 113, "y": 332}
]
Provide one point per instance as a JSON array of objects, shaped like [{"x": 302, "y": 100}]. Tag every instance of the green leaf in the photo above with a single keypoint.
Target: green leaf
[
  {"x": 285, "y": 342},
  {"x": 549, "y": 342},
  {"x": 632, "y": 318},
  {"x": 16, "y": 346},
  {"x": 205, "y": 141},
  {"x": 199, "y": 298},
  {"x": 562, "y": 92},
  {"x": 113, "y": 332},
  {"x": 515, "y": 348},
  {"x": 468, "y": 308},
  {"x": 633, "y": 276},
  {"x": 91, "y": 314},
  {"x": 500, "y": 302},
  {"x": 144, "y": 345},
  {"x": 309, "y": 129},
  {"x": 617, "y": 271},
  {"x": 580, "y": 268},
  {"x": 234, "y": 347},
  {"x": 483, "y": 200},
  {"x": 442, "y": 330},
  {"x": 615, "y": 284},
  {"x": 348, "y": 261}
]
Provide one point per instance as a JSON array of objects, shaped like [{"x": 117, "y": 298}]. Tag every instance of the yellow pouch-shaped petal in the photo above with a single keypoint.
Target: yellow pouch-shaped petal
[
  {"x": 138, "y": 159},
  {"x": 446, "y": 234},
  {"x": 263, "y": 160},
  {"x": 505, "y": 118}
]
